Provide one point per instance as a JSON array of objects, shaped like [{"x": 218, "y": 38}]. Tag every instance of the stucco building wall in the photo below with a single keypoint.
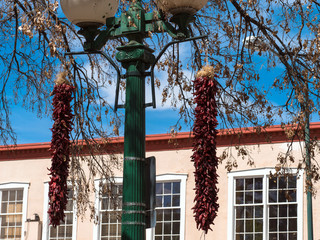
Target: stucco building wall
[{"x": 176, "y": 160}]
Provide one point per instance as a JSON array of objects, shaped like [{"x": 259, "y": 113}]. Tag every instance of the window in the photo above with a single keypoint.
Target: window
[
  {"x": 110, "y": 215},
  {"x": 67, "y": 229},
  {"x": 264, "y": 207},
  {"x": 170, "y": 208},
  {"x": 13, "y": 198}
]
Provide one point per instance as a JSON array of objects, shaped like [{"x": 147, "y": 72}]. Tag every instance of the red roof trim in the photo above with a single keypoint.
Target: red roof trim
[{"x": 164, "y": 142}]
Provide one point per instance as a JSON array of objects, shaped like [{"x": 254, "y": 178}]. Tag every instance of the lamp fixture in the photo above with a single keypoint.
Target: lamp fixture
[
  {"x": 87, "y": 13},
  {"x": 181, "y": 6}
]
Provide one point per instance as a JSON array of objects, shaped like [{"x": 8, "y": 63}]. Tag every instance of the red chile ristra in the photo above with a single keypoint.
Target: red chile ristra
[
  {"x": 60, "y": 144},
  {"x": 204, "y": 149}
]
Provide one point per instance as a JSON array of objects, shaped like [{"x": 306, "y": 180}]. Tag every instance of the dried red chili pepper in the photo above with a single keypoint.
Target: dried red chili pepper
[
  {"x": 60, "y": 149},
  {"x": 204, "y": 149}
]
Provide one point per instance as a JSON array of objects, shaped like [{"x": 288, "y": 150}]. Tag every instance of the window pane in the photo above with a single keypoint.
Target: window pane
[
  {"x": 283, "y": 210},
  {"x": 239, "y": 184},
  {"x": 158, "y": 230},
  {"x": 159, "y": 215},
  {"x": 258, "y": 197},
  {"x": 272, "y": 196},
  {"x": 69, "y": 231},
  {"x": 12, "y": 195},
  {"x": 282, "y": 236},
  {"x": 249, "y": 225},
  {"x": 61, "y": 231},
  {"x": 167, "y": 201},
  {"x": 249, "y": 212},
  {"x": 282, "y": 195},
  {"x": 248, "y": 237},
  {"x": 240, "y": 237},
  {"x": 158, "y": 201},
  {"x": 176, "y": 228},
  {"x": 282, "y": 183},
  {"x": 239, "y": 226},
  {"x": 159, "y": 187},
  {"x": 292, "y": 196},
  {"x": 176, "y": 214},
  {"x": 167, "y": 228},
  {"x": 258, "y": 236},
  {"x": 249, "y": 197},
  {"x": 167, "y": 188},
  {"x": 273, "y": 183},
  {"x": 273, "y": 225},
  {"x": 258, "y": 227},
  {"x": 19, "y": 207},
  {"x": 258, "y": 183},
  {"x": 292, "y": 224},
  {"x": 273, "y": 236},
  {"x": 176, "y": 187},
  {"x": 176, "y": 200},
  {"x": 292, "y": 236},
  {"x": 113, "y": 230},
  {"x": 4, "y": 207},
  {"x": 5, "y": 196},
  {"x": 292, "y": 182},
  {"x": 292, "y": 210},
  {"x": 167, "y": 215},
  {"x": 273, "y": 211},
  {"x": 283, "y": 224},
  {"x": 248, "y": 184},
  {"x": 53, "y": 232},
  {"x": 258, "y": 212},
  {"x": 239, "y": 198},
  {"x": 239, "y": 212}
]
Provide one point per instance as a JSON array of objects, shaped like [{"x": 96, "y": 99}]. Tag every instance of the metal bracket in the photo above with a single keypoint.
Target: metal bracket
[
  {"x": 159, "y": 56},
  {"x": 151, "y": 73},
  {"x": 134, "y": 159},
  {"x": 135, "y": 204},
  {"x": 134, "y": 223},
  {"x": 116, "y": 105}
]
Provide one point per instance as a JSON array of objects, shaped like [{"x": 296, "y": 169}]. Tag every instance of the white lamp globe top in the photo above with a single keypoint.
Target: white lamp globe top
[
  {"x": 181, "y": 6},
  {"x": 89, "y": 12}
]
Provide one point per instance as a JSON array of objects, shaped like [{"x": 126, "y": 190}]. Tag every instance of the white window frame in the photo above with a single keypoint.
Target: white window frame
[
  {"x": 182, "y": 178},
  {"x": 46, "y": 221},
  {"x": 264, "y": 173},
  {"x": 96, "y": 226},
  {"x": 25, "y": 187}
]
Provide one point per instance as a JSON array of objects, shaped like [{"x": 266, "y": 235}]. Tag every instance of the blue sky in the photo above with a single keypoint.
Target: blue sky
[{"x": 31, "y": 129}]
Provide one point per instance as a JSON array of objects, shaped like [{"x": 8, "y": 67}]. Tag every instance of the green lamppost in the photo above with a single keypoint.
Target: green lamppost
[{"x": 134, "y": 24}]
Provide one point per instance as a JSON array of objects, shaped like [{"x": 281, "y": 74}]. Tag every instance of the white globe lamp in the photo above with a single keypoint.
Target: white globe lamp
[
  {"x": 181, "y": 6},
  {"x": 87, "y": 13}
]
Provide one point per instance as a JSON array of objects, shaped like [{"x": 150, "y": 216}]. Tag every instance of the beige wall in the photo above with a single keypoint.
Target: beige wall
[{"x": 35, "y": 172}]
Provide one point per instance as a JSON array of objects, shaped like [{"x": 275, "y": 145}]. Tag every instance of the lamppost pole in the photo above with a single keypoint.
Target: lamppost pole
[
  {"x": 308, "y": 162},
  {"x": 135, "y": 25},
  {"x": 136, "y": 59}
]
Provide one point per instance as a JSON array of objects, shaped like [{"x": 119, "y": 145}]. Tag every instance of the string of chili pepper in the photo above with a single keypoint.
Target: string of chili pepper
[
  {"x": 60, "y": 149},
  {"x": 204, "y": 149}
]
